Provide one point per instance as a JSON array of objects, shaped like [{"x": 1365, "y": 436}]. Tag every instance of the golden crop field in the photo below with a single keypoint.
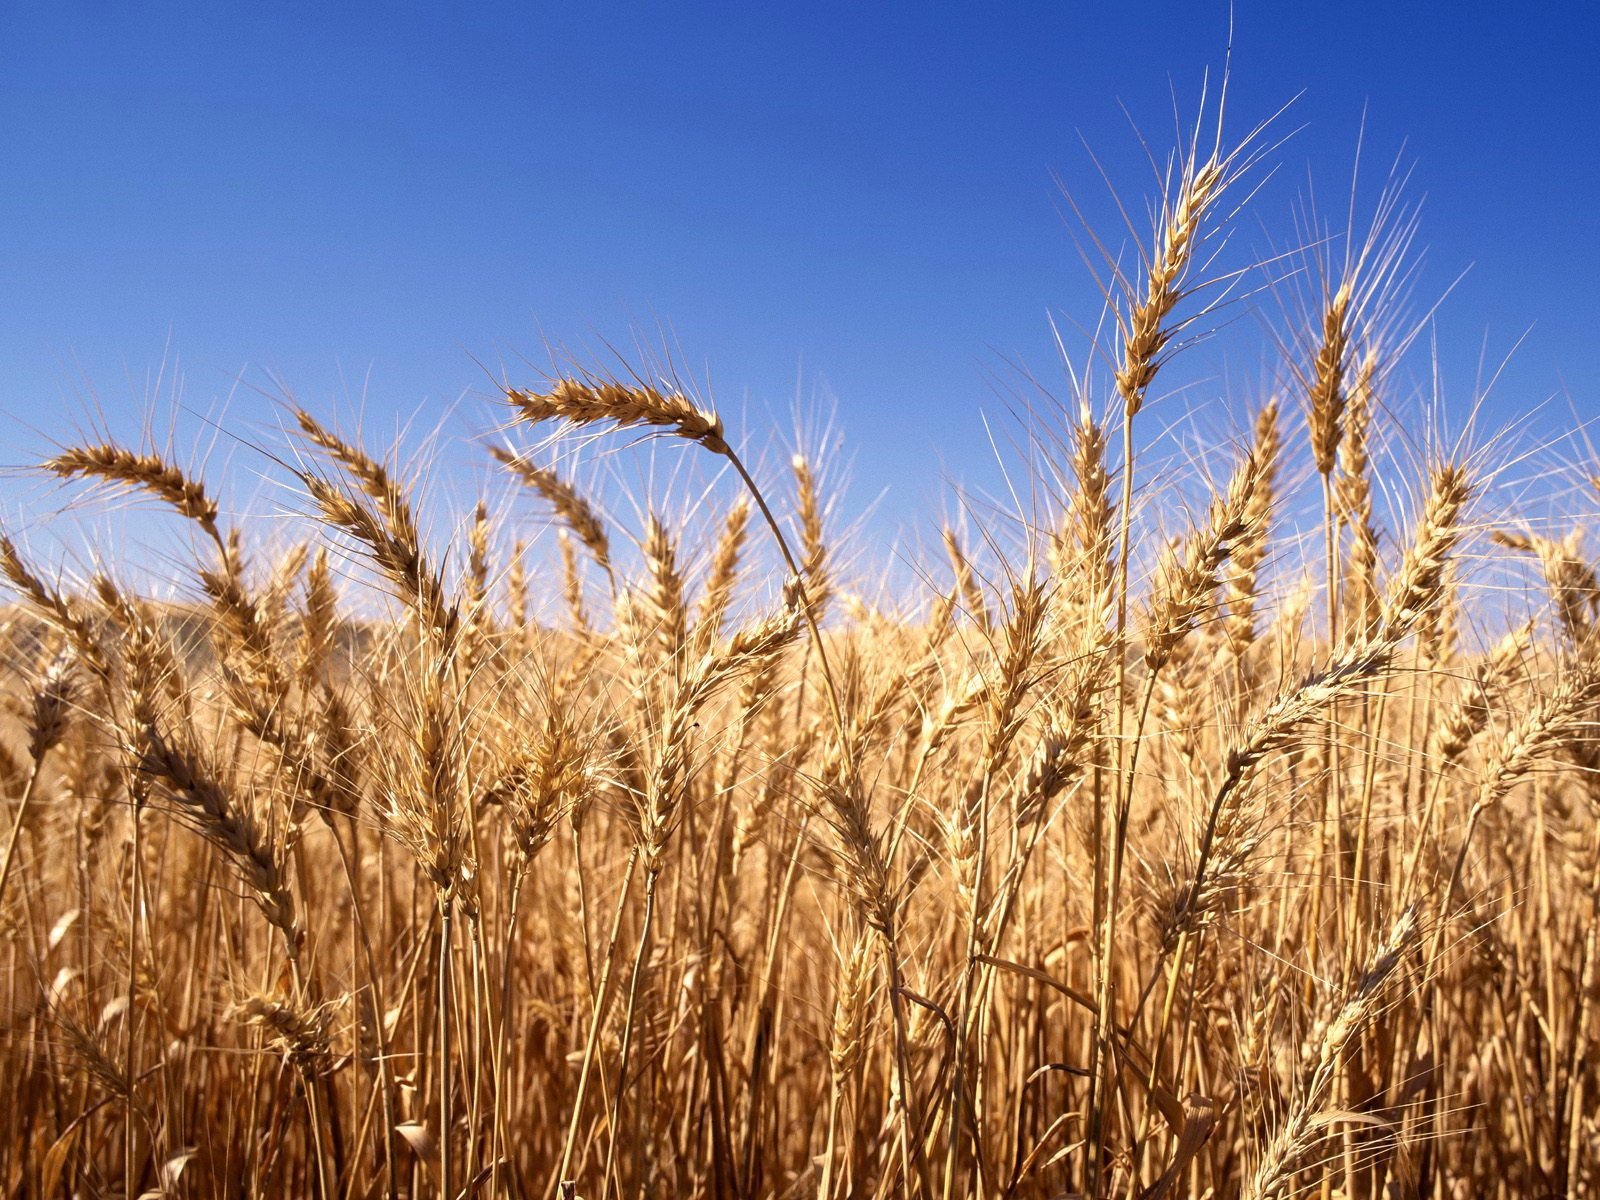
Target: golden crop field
[{"x": 1143, "y": 848}]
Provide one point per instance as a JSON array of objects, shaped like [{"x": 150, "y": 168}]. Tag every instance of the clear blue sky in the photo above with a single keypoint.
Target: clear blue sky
[{"x": 857, "y": 195}]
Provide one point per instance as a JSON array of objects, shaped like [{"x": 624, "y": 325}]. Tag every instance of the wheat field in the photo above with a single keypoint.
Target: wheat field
[{"x": 1239, "y": 843}]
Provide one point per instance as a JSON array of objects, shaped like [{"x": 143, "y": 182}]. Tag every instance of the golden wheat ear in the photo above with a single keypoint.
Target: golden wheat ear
[
  {"x": 569, "y": 504},
  {"x": 141, "y": 472},
  {"x": 626, "y": 406},
  {"x": 1325, "y": 415},
  {"x": 394, "y": 547},
  {"x": 1146, "y": 331},
  {"x": 723, "y": 574}
]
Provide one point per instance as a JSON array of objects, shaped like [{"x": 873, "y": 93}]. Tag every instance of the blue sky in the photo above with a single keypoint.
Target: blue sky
[{"x": 858, "y": 200}]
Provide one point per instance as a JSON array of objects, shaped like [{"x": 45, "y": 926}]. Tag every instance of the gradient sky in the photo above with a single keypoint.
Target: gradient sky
[{"x": 856, "y": 200}]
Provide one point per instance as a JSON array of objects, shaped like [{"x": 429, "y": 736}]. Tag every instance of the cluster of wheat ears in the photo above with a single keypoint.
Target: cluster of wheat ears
[{"x": 1219, "y": 874}]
